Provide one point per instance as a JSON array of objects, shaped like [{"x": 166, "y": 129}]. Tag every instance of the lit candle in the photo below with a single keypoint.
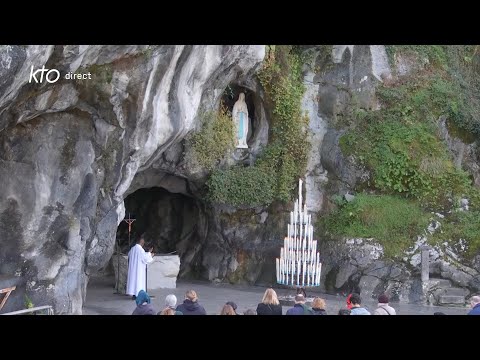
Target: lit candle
[
  {"x": 301, "y": 227},
  {"x": 308, "y": 274},
  {"x": 278, "y": 269},
  {"x": 319, "y": 271},
  {"x": 298, "y": 272},
  {"x": 293, "y": 272},
  {"x": 281, "y": 271},
  {"x": 295, "y": 212},
  {"x": 300, "y": 182},
  {"x": 304, "y": 271}
]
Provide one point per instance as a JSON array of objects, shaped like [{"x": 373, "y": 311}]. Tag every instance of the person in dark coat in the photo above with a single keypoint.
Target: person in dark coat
[
  {"x": 300, "y": 308},
  {"x": 143, "y": 304},
  {"x": 318, "y": 306},
  {"x": 190, "y": 305},
  {"x": 270, "y": 304},
  {"x": 475, "y": 303}
]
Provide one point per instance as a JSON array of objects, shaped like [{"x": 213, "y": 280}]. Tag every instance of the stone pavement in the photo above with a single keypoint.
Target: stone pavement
[{"x": 101, "y": 300}]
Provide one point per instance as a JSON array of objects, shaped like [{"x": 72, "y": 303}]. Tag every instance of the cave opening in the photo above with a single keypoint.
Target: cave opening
[{"x": 168, "y": 221}]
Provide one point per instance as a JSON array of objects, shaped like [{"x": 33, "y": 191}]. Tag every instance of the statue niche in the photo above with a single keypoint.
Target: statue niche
[{"x": 240, "y": 118}]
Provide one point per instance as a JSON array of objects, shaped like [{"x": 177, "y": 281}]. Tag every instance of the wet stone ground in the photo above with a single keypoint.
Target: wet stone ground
[{"x": 101, "y": 299}]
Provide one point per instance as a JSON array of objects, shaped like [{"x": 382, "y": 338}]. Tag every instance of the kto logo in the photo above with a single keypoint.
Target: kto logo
[{"x": 51, "y": 75}]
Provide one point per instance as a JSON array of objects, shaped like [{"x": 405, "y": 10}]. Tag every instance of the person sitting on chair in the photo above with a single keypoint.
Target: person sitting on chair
[{"x": 143, "y": 304}]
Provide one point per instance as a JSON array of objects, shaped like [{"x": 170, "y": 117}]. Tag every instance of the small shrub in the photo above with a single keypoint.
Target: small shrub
[
  {"x": 241, "y": 186},
  {"x": 215, "y": 139}
]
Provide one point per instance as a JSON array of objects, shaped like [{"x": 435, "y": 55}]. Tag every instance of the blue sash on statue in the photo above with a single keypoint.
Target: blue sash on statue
[{"x": 240, "y": 127}]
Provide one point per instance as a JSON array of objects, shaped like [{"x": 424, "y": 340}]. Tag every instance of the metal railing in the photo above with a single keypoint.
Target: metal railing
[{"x": 47, "y": 308}]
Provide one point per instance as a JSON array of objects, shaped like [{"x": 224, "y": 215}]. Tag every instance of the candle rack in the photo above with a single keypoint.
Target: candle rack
[{"x": 299, "y": 263}]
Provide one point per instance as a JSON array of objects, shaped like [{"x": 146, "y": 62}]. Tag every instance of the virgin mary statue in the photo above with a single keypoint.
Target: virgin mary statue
[{"x": 240, "y": 117}]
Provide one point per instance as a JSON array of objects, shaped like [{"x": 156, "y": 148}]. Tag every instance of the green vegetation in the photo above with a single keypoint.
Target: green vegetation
[
  {"x": 215, "y": 139},
  {"x": 285, "y": 157},
  {"x": 455, "y": 71},
  {"x": 410, "y": 164},
  {"x": 102, "y": 74},
  {"x": 28, "y": 302},
  {"x": 461, "y": 225},
  {"x": 435, "y": 54},
  {"x": 392, "y": 221}
]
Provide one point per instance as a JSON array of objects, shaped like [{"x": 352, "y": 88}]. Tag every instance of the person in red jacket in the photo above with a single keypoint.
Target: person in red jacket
[{"x": 349, "y": 304}]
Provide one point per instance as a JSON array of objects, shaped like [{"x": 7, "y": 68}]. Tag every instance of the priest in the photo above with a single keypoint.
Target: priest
[{"x": 138, "y": 258}]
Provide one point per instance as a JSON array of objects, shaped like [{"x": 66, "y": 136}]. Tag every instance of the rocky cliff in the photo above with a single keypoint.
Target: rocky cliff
[
  {"x": 401, "y": 158},
  {"x": 76, "y": 153},
  {"x": 72, "y": 149}
]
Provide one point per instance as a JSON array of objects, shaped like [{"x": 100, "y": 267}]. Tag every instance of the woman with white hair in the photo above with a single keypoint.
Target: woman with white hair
[{"x": 170, "y": 303}]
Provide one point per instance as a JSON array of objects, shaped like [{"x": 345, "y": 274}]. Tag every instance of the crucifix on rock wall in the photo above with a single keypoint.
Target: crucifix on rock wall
[{"x": 129, "y": 221}]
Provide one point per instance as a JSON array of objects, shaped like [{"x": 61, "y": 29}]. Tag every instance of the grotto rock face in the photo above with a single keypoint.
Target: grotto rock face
[
  {"x": 70, "y": 150},
  {"x": 73, "y": 150},
  {"x": 348, "y": 81}
]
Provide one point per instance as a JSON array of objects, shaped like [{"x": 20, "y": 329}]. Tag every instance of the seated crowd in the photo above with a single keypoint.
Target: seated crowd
[{"x": 270, "y": 305}]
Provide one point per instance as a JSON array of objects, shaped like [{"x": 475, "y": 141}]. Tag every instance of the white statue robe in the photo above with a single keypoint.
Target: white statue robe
[
  {"x": 138, "y": 258},
  {"x": 240, "y": 114}
]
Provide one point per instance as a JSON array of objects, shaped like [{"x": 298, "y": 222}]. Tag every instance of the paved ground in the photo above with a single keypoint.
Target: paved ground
[{"x": 101, "y": 299}]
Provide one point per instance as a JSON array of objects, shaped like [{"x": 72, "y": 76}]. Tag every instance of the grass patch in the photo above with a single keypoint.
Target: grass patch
[{"x": 392, "y": 221}]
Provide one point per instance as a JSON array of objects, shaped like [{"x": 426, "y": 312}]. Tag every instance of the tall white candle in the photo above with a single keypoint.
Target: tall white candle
[
  {"x": 308, "y": 274},
  {"x": 295, "y": 212},
  {"x": 293, "y": 271},
  {"x": 319, "y": 272},
  {"x": 282, "y": 271},
  {"x": 300, "y": 182},
  {"x": 277, "y": 262},
  {"x": 298, "y": 272},
  {"x": 304, "y": 271}
]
